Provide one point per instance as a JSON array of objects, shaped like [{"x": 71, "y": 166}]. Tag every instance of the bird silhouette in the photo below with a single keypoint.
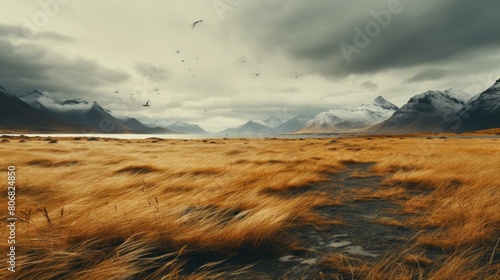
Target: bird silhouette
[
  {"x": 244, "y": 61},
  {"x": 117, "y": 91},
  {"x": 195, "y": 23},
  {"x": 156, "y": 89},
  {"x": 146, "y": 105},
  {"x": 257, "y": 74},
  {"x": 178, "y": 51}
]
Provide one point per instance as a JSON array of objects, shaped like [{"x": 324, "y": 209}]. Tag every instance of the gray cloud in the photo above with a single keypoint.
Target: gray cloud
[
  {"x": 156, "y": 71},
  {"x": 369, "y": 85},
  {"x": 53, "y": 36},
  {"x": 424, "y": 31},
  {"x": 28, "y": 64},
  {"x": 427, "y": 75}
]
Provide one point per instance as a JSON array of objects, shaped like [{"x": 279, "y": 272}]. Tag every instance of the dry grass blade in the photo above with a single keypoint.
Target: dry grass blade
[{"x": 494, "y": 252}]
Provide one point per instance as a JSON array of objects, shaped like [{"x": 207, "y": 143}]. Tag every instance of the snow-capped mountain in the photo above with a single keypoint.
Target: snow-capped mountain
[
  {"x": 43, "y": 101},
  {"x": 481, "y": 112},
  {"x": 344, "y": 120},
  {"x": 271, "y": 122},
  {"x": 425, "y": 112},
  {"x": 178, "y": 126},
  {"x": 75, "y": 111},
  {"x": 17, "y": 116},
  {"x": 293, "y": 124}
]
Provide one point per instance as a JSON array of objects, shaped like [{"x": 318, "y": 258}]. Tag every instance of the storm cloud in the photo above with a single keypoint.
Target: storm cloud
[
  {"x": 420, "y": 32},
  {"x": 28, "y": 64}
]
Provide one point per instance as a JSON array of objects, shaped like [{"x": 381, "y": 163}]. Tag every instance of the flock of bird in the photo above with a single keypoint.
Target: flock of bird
[{"x": 193, "y": 25}]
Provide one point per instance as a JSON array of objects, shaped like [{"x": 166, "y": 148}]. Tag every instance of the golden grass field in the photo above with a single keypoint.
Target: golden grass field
[{"x": 142, "y": 209}]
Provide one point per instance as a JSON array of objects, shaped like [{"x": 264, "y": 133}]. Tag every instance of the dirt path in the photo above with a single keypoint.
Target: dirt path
[{"x": 359, "y": 237}]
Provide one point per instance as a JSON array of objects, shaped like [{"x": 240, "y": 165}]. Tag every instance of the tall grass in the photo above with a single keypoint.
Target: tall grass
[{"x": 174, "y": 209}]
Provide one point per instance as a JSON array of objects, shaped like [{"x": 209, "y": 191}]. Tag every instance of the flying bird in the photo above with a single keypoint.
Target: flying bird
[
  {"x": 244, "y": 61},
  {"x": 156, "y": 89},
  {"x": 195, "y": 23},
  {"x": 257, "y": 74},
  {"x": 146, "y": 105},
  {"x": 117, "y": 91},
  {"x": 178, "y": 51}
]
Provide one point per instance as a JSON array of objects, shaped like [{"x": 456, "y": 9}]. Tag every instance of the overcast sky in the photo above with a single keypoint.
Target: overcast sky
[{"x": 310, "y": 55}]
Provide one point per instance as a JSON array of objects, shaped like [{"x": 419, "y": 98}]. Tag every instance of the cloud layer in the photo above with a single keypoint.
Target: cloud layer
[{"x": 396, "y": 49}]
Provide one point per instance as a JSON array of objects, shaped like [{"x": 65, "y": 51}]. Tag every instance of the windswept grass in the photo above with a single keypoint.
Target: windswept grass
[{"x": 174, "y": 209}]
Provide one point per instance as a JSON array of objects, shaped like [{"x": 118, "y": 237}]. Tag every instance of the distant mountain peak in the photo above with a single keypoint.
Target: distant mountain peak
[
  {"x": 433, "y": 96},
  {"x": 459, "y": 94},
  {"x": 496, "y": 85},
  {"x": 344, "y": 120},
  {"x": 36, "y": 93},
  {"x": 424, "y": 112},
  {"x": 384, "y": 103},
  {"x": 41, "y": 100},
  {"x": 271, "y": 122}
]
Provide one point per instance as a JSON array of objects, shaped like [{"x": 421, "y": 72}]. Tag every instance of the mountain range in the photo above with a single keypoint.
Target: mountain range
[
  {"x": 77, "y": 112},
  {"x": 431, "y": 111},
  {"x": 344, "y": 120},
  {"x": 333, "y": 121},
  {"x": 40, "y": 112},
  {"x": 271, "y": 125},
  {"x": 426, "y": 112},
  {"x": 445, "y": 111},
  {"x": 16, "y": 116},
  {"x": 449, "y": 110}
]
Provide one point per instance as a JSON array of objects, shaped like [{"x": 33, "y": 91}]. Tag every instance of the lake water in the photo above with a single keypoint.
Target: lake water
[
  {"x": 221, "y": 136},
  {"x": 182, "y": 136}
]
